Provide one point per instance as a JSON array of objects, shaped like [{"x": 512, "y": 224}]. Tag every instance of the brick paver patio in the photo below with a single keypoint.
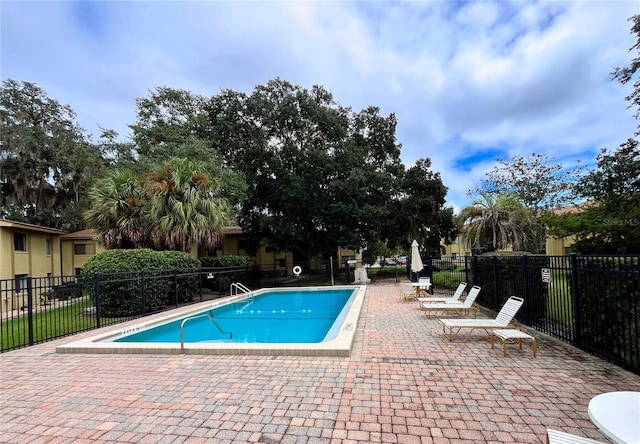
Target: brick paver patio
[{"x": 404, "y": 383}]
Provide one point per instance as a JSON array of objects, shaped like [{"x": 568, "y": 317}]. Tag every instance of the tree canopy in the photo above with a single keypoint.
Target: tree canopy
[
  {"x": 320, "y": 176},
  {"x": 610, "y": 222},
  {"x": 420, "y": 212},
  {"x": 46, "y": 161},
  {"x": 292, "y": 166},
  {"x": 173, "y": 207},
  {"x": 625, "y": 74},
  {"x": 496, "y": 221},
  {"x": 538, "y": 181}
]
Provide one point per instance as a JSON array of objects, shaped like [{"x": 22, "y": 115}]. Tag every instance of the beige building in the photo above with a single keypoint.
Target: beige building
[
  {"x": 77, "y": 248},
  {"x": 457, "y": 248},
  {"x": 52, "y": 257},
  {"x": 26, "y": 250},
  {"x": 235, "y": 242},
  {"x": 553, "y": 246}
]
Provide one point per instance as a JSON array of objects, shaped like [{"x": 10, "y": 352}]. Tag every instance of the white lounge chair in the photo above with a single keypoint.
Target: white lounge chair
[
  {"x": 463, "y": 308},
  {"x": 456, "y": 296},
  {"x": 407, "y": 292},
  {"x": 452, "y": 327},
  {"x": 424, "y": 284},
  {"x": 556, "y": 437}
]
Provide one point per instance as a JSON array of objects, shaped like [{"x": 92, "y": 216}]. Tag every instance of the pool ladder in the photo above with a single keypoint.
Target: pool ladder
[
  {"x": 238, "y": 286},
  {"x": 209, "y": 315}
]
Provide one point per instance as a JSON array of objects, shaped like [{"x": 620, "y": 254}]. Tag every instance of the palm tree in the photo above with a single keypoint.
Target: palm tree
[
  {"x": 116, "y": 211},
  {"x": 496, "y": 221},
  {"x": 185, "y": 206}
]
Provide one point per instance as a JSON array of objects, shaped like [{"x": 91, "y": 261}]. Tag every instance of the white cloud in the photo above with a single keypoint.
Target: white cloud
[{"x": 466, "y": 80}]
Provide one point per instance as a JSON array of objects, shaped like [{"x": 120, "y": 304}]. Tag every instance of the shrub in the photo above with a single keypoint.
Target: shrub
[
  {"x": 123, "y": 274},
  {"x": 187, "y": 275},
  {"x": 224, "y": 261},
  {"x": 223, "y": 280},
  {"x": 610, "y": 308},
  {"x": 502, "y": 275}
]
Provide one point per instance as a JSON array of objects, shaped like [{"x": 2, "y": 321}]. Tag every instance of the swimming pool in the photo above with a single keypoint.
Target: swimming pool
[
  {"x": 278, "y": 316},
  {"x": 309, "y": 321}
]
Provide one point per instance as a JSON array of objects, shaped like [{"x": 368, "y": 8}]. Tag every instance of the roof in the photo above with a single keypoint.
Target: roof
[
  {"x": 91, "y": 233},
  {"x": 6, "y": 223},
  {"x": 83, "y": 234},
  {"x": 234, "y": 229},
  {"x": 578, "y": 208}
]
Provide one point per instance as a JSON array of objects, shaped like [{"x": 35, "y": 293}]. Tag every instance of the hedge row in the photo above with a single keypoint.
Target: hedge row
[{"x": 125, "y": 277}]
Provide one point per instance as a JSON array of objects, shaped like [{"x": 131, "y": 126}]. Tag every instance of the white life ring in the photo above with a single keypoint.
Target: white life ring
[{"x": 297, "y": 270}]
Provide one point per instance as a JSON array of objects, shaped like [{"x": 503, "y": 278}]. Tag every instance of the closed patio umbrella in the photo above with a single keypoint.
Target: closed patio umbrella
[{"x": 416, "y": 260}]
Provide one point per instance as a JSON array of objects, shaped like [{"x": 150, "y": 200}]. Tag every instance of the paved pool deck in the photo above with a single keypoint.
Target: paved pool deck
[{"x": 403, "y": 383}]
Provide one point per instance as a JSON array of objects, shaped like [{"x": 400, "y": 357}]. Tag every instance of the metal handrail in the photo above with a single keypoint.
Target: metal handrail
[
  {"x": 238, "y": 286},
  {"x": 202, "y": 315}
]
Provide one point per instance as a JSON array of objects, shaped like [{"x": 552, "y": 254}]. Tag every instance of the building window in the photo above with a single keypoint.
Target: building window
[
  {"x": 47, "y": 247},
  {"x": 84, "y": 249},
  {"x": 21, "y": 283},
  {"x": 243, "y": 244},
  {"x": 78, "y": 271},
  {"x": 19, "y": 242}
]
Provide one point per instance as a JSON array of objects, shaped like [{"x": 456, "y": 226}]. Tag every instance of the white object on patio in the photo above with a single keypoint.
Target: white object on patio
[
  {"x": 556, "y": 437},
  {"x": 456, "y": 296},
  {"x": 617, "y": 415},
  {"x": 416, "y": 260},
  {"x": 502, "y": 320}
]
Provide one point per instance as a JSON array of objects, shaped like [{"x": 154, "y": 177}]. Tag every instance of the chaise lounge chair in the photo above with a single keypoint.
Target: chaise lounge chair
[
  {"x": 556, "y": 437},
  {"x": 407, "y": 292},
  {"x": 502, "y": 320},
  {"x": 462, "y": 308},
  {"x": 456, "y": 296},
  {"x": 424, "y": 285}
]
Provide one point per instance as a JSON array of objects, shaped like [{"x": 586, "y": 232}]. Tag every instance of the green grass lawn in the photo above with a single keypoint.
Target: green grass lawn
[
  {"x": 386, "y": 271},
  {"x": 559, "y": 306},
  {"x": 48, "y": 323},
  {"x": 448, "y": 279}
]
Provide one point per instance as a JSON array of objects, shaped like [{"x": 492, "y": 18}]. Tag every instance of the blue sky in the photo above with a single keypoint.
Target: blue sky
[{"x": 468, "y": 81}]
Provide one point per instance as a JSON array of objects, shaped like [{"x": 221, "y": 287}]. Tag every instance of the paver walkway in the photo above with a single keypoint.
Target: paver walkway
[{"x": 404, "y": 383}]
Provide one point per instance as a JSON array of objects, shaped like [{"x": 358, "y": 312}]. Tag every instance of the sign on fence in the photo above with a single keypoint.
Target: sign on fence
[{"x": 546, "y": 275}]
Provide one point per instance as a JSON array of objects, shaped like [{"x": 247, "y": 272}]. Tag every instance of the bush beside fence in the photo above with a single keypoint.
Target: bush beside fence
[{"x": 101, "y": 299}]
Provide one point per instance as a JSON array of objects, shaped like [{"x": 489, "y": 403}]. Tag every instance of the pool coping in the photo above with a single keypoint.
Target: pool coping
[{"x": 340, "y": 346}]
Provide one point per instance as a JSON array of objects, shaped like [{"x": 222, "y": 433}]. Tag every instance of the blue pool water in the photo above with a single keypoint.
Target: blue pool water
[{"x": 274, "y": 316}]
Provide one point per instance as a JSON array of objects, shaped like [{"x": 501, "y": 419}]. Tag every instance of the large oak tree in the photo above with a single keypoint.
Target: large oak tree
[{"x": 46, "y": 161}]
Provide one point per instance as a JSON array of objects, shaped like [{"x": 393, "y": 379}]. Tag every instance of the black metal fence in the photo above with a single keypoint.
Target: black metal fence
[
  {"x": 39, "y": 309},
  {"x": 591, "y": 302},
  {"x": 327, "y": 272}
]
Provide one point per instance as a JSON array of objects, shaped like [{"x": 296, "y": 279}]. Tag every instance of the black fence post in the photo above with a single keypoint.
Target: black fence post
[
  {"x": 96, "y": 286},
  {"x": 175, "y": 285},
  {"x": 495, "y": 282},
  {"x": 576, "y": 301},
  {"x": 275, "y": 275},
  {"x": 144, "y": 304},
  {"x": 346, "y": 271},
  {"x": 30, "y": 308},
  {"x": 467, "y": 266},
  {"x": 525, "y": 285}
]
